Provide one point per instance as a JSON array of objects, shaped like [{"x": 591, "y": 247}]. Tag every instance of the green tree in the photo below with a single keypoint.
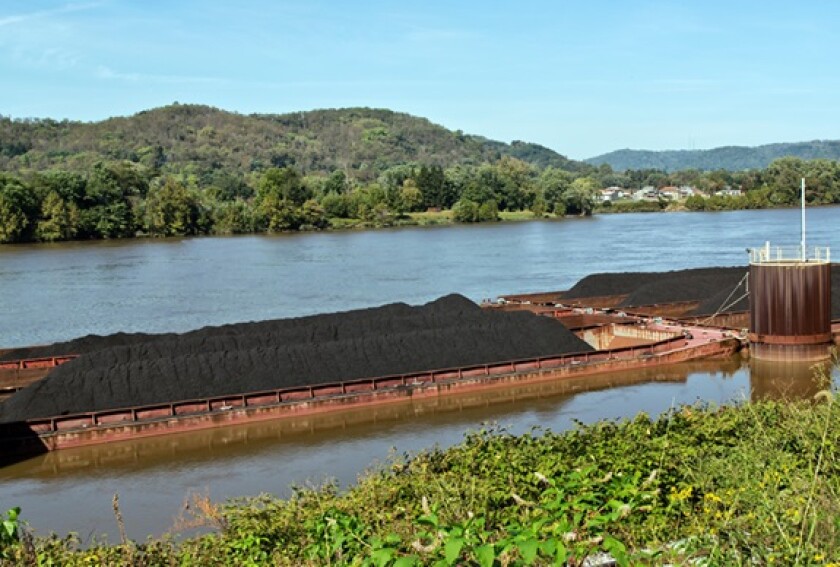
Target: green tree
[
  {"x": 313, "y": 215},
  {"x": 518, "y": 188},
  {"x": 336, "y": 183},
  {"x": 395, "y": 176},
  {"x": 579, "y": 198},
  {"x": 59, "y": 219},
  {"x": 465, "y": 211},
  {"x": 488, "y": 211},
  {"x": 278, "y": 214},
  {"x": 410, "y": 197},
  {"x": 283, "y": 183},
  {"x": 658, "y": 179},
  {"x": 69, "y": 186},
  {"x": 233, "y": 217},
  {"x": 17, "y": 210},
  {"x": 553, "y": 183},
  {"x": 368, "y": 202},
  {"x": 822, "y": 181},
  {"x": 539, "y": 206},
  {"x": 336, "y": 206},
  {"x": 171, "y": 210},
  {"x": 695, "y": 203},
  {"x": 431, "y": 182},
  {"x": 484, "y": 186},
  {"x": 229, "y": 186},
  {"x": 784, "y": 178},
  {"x": 106, "y": 211}
]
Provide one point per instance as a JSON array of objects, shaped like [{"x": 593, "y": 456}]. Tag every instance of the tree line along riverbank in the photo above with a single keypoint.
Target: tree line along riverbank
[
  {"x": 755, "y": 483},
  {"x": 124, "y": 198}
]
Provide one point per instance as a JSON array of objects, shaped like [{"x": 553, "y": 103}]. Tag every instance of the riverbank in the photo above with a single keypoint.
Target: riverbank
[
  {"x": 756, "y": 483},
  {"x": 447, "y": 218},
  {"x": 432, "y": 218}
]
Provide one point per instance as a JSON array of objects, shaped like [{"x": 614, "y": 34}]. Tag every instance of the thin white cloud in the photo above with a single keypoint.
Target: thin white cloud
[
  {"x": 104, "y": 72},
  {"x": 18, "y": 18}
]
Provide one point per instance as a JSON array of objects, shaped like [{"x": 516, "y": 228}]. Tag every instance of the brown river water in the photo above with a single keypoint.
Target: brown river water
[{"x": 56, "y": 292}]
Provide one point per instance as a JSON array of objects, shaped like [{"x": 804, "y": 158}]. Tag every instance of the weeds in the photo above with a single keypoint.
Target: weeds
[{"x": 754, "y": 484}]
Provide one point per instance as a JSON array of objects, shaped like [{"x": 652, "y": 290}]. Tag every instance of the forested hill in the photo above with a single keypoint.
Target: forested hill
[
  {"x": 731, "y": 158},
  {"x": 362, "y": 142}
]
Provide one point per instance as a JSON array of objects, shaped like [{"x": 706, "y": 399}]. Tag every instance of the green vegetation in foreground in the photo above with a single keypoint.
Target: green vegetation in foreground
[{"x": 754, "y": 484}]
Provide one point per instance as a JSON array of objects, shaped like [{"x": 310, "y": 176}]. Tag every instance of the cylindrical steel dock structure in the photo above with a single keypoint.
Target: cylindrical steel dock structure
[{"x": 790, "y": 303}]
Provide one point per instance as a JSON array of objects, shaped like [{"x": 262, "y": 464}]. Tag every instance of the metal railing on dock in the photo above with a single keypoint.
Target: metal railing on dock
[{"x": 776, "y": 254}]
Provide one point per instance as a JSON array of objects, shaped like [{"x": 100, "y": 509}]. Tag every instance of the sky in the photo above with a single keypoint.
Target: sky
[{"x": 580, "y": 77}]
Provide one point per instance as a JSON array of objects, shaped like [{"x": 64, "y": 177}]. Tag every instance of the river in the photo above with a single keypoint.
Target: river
[{"x": 56, "y": 292}]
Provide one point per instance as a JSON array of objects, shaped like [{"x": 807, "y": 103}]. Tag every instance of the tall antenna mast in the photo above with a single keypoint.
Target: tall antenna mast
[{"x": 802, "y": 243}]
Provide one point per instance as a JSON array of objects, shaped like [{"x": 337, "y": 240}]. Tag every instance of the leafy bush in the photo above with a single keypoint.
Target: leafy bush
[{"x": 754, "y": 484}]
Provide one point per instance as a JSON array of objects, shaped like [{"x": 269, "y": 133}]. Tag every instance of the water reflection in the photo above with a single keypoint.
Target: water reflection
[
  {"x": 788, "y": 380},
  {"x": 237, "y": 441},
  {"x": 71, "y": 490}
]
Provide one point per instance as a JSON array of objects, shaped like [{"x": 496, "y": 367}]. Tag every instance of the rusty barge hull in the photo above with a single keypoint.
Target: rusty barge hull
[{"x": 78, "y": 430}]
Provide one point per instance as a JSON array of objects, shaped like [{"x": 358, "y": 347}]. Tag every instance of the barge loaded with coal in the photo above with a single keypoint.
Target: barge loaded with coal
[{"x": 100, "y": 389}]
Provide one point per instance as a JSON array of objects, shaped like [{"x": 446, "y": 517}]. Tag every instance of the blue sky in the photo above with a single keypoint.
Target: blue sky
[{"x": 582, "y": 78}]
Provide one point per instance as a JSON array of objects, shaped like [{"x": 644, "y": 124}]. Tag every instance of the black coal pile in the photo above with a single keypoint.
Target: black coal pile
[
  {"x": 215, "y": 361},
  {"x": 715, "y": 288},
  {"x": 726, "y": 300},
  {"x": 707, "y": 285},
  {"x": 649, "y": 288},
  {"x": 82, "y": 345},
  {"x": 606, "y": 284}
]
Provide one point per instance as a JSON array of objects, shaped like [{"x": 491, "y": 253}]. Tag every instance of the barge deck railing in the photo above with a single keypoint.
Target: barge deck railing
[{"x": 297, "y": 394}]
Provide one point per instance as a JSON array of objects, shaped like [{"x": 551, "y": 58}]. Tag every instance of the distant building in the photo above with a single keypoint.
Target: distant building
[
  {"x": 647, "y": 193},
  {"x": 671, "y": 193},
  {"x": 689, "y": 191},
  {"x": 612, "y": 194},
  {"x": 729, "y": 192}
]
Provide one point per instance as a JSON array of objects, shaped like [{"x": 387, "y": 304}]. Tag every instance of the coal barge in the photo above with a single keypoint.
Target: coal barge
[{"x": 103, "y": 389}]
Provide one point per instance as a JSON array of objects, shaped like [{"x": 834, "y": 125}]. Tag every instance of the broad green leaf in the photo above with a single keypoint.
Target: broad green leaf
[
  {"x": 452, "y": 550},
  {"x": 381, "y": 557},
  {"x": 485, "y": 554},
  {"x": 561, "y": 555},
  {"x": 528, "y": 549},
  {"x": 548, "y": 547}
]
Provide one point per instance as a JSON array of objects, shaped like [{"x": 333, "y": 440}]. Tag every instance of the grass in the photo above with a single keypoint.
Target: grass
[
  {"x": 427, "y": 218},
  {"x": 432, "y": 217},
  {"x": 753, "y": 484}
]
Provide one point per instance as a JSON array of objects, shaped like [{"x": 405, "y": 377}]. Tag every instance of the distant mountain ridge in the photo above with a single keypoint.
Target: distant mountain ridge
[
  {"x": 363, "y": 142},
  {"x": 732, "y": 158}
]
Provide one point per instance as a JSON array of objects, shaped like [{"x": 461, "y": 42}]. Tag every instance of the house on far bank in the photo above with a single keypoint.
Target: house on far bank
[
  {"x": 687, "y": 191},
  {"x": 671, "y": 193},
  {"x": 647, "y": 193},
  {"x": 612, "y": 194},
  {"x": 729, "y": 192}
]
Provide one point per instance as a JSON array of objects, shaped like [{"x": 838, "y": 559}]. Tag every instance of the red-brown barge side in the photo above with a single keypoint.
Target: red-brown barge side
[{"x": 59, "y": 432}]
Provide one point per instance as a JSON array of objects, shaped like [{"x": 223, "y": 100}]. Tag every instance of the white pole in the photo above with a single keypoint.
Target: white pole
[{"x": 803, "y": 220}]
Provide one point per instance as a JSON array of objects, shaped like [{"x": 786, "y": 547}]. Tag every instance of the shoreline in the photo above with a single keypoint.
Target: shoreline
[{"x": 414, "y": 220}]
